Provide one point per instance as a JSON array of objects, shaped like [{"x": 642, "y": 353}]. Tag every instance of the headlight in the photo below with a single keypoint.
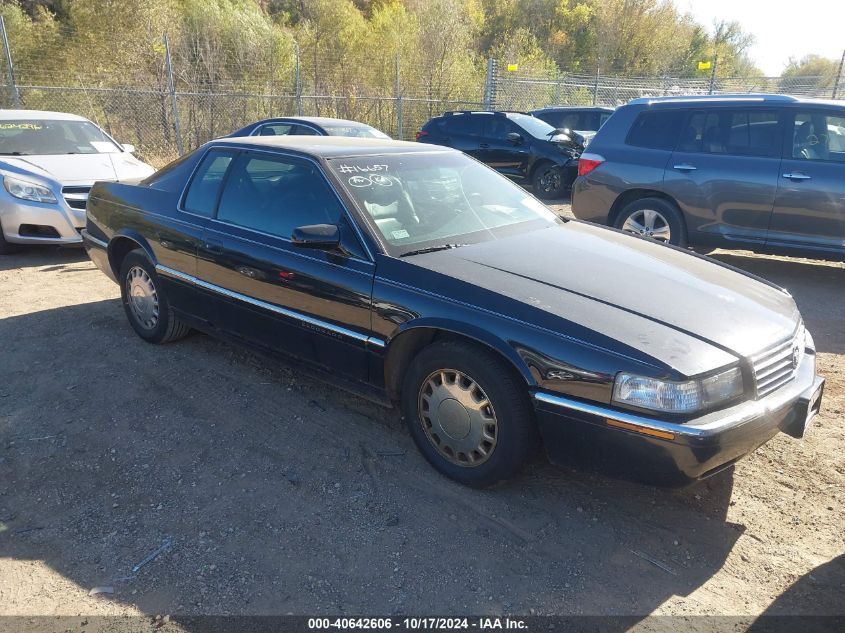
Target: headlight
[
  {"x": 677, "y": 397},
  {"x": 28, "y": 190}
]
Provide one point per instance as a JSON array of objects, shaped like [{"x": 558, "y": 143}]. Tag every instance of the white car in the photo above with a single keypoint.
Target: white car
[{"x": 48, "y": 162}]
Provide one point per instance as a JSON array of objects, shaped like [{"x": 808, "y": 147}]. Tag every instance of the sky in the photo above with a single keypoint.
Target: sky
[{"x": 782, "y": 28}]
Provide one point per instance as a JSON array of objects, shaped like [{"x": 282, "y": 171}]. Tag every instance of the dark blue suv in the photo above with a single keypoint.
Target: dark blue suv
[
  {"x": 517, "y": 145},
  {"x": 758, "y": 172}
]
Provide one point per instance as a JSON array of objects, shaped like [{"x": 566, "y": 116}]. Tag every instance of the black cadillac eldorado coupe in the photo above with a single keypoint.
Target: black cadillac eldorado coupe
[{"x": 418, "y": 276}]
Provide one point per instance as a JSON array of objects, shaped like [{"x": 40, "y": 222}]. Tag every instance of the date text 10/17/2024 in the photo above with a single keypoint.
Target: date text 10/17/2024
[{"x": 419, "y": 624}]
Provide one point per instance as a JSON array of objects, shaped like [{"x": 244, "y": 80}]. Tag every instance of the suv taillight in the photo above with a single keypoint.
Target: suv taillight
[
  {"x": 588, "y": 162},
  {"x": 420, "y": 134}
]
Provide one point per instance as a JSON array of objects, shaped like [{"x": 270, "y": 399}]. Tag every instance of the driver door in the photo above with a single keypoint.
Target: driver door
[
  {"x": 310, "y": 304},
  {"x": 496, "y": 150}
]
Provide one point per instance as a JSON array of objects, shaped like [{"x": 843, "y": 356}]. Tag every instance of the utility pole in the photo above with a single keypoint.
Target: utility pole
[
  {"x": 713, "y": 73},
  {"x": 397, "y": 91},
  {"x": 835, "y": 85},
  {"x": 297, "y": 79},
  {"x": 16, "y": 98},
  {"x": 171, "y": 84}
]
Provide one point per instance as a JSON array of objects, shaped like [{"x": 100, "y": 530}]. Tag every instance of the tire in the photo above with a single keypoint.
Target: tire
[
  {"x": 505, "y": 429},
  {"x": 655, "y": 218},
  {"x": 7, "y": 248},
  {"x": 145, "y": 303},
  {"x": 549, "y": 182}
]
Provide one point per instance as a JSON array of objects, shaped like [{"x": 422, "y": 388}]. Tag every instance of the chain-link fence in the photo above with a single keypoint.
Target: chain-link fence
[
  {"x": 515, "y": 90},
  {"x": 172, "y": 97}
]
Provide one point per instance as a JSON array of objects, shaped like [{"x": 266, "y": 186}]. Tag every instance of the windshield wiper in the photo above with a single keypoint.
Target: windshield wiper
[
  {"x": 431, "y": 249},
  {"x": 10, "y": 154}
]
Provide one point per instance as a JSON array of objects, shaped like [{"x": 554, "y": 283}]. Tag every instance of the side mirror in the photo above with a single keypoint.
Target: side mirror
[
  {"x": 128, "y": 147},
  {"x": 514, "y": 138},
  {"x": 322, "y": 236}
]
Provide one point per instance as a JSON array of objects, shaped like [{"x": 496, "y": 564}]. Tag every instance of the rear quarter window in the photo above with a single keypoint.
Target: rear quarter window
[{"x": 656, "y": 129}]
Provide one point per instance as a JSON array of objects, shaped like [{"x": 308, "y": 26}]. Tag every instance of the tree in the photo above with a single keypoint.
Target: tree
[{"x": 812, "y": 74}]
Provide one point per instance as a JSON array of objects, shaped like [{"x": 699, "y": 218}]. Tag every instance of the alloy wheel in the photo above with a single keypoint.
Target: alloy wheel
[{"x": 648, "y": 223}]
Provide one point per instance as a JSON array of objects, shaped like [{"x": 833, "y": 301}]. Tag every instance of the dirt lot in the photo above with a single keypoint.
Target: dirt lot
[{"x": 281, "y": 495}]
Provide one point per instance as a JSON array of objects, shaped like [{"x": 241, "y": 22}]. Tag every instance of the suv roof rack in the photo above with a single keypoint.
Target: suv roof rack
[
  {"x": 493, "y": 112},
  {"x": 738, "y": 97}
]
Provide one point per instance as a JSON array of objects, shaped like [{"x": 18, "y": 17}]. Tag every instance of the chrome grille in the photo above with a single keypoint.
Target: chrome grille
[
  {"x": 76, "y": 196},
  {"x": 777, "y": 365}
]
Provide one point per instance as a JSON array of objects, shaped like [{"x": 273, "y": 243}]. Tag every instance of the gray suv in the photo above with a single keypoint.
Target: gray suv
[{"x": 758, "y": 172}]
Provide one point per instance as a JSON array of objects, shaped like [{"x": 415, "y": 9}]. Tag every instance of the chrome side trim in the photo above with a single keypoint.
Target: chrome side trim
[
  {"x": 628, "y": 418},
  {"x": 91, "y": 238},
  {"x": 292, "y": 314}
]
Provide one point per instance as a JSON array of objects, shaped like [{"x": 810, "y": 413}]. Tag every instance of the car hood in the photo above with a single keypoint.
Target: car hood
[
  {"x": 80, "y": 168},
  {"x": 630, "y": 289}
]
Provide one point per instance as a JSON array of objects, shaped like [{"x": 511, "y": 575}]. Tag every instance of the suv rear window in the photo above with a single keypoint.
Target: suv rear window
[{"x": 656, "y": 130}]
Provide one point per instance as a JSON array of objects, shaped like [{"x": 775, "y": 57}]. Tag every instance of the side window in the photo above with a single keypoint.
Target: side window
[
  {"x": 656, "y": 130},
  {"x": 275, "y": 195},
  {"x": 734, "y": 132},
  {"x": 275, "y": 129},
  {"x": 467, "y": 124},
  {"x": 819, "y": 136},
  {"x": 205, "y": 186},
  {"x": 499, "y": 127},
  {"x": 304, "y": 130}
]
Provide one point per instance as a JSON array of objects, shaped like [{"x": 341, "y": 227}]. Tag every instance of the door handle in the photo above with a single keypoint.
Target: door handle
[
  {"x": 796, "y": 175},
  {"x": 484, "y": 145},
  {"x": 213, "y": 247},
  {"x": 685, "y": 167}
]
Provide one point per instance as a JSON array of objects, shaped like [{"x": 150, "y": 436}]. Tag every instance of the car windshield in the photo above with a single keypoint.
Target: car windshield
[
  {"x": 25, "y": 137},
  {"x": 360, "y": 131},
  {"x": 427, "y": 200},
  {"x": 534, "y": 126}
]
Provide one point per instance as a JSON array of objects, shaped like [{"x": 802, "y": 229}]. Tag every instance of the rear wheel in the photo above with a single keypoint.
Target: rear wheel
[
  {"x": 144, "y": 302},
  {"x": 655, "y": 218},
  {"x": 548, "y": 181},
  {"x": 468, "y": 413}
]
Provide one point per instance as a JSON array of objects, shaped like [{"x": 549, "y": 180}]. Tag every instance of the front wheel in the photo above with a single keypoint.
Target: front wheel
[
  {"x": 468, "y": 413},
  {"x": 549, "y": 182},
  {"x": 146, "y": 306},
  {"x": 654, "y": 218}
]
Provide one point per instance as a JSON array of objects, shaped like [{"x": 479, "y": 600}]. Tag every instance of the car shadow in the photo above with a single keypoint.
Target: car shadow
[
  {"x": 34, "y": 256},
  {"x": 196, "y": 478},
  {"x": 811, "y": 283},
  {"x": 815, "y": 603}
]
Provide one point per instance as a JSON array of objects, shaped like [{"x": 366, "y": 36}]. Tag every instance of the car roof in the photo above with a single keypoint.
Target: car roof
[
  {"x": 12, "y": 115},
  {"x": 553, "y": 108},
  {"x": 317, "y": 120},
  {"x": 335, "y": 146},
  {"x": 748, "y": 98}
]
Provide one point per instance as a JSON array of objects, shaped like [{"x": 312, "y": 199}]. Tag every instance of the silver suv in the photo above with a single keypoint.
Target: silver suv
[{"x": 757, "y": 172}]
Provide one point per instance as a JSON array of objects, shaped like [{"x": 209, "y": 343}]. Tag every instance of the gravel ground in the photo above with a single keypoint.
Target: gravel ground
[{"x": 279, "y": 494}]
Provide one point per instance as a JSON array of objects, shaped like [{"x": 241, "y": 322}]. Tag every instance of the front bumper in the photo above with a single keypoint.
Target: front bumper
[
  {"x": 646, "y": 449},
  {"x": 64, "y": 220}
]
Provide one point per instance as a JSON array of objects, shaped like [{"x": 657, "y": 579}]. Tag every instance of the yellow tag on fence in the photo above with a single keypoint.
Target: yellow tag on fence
[
  {"x": 704, "y": 65},
  {"x": 512, "y": 68}
]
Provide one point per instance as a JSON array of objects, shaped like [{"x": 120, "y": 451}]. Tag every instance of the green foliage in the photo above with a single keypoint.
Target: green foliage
[{"x": 236, "y": 60}]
